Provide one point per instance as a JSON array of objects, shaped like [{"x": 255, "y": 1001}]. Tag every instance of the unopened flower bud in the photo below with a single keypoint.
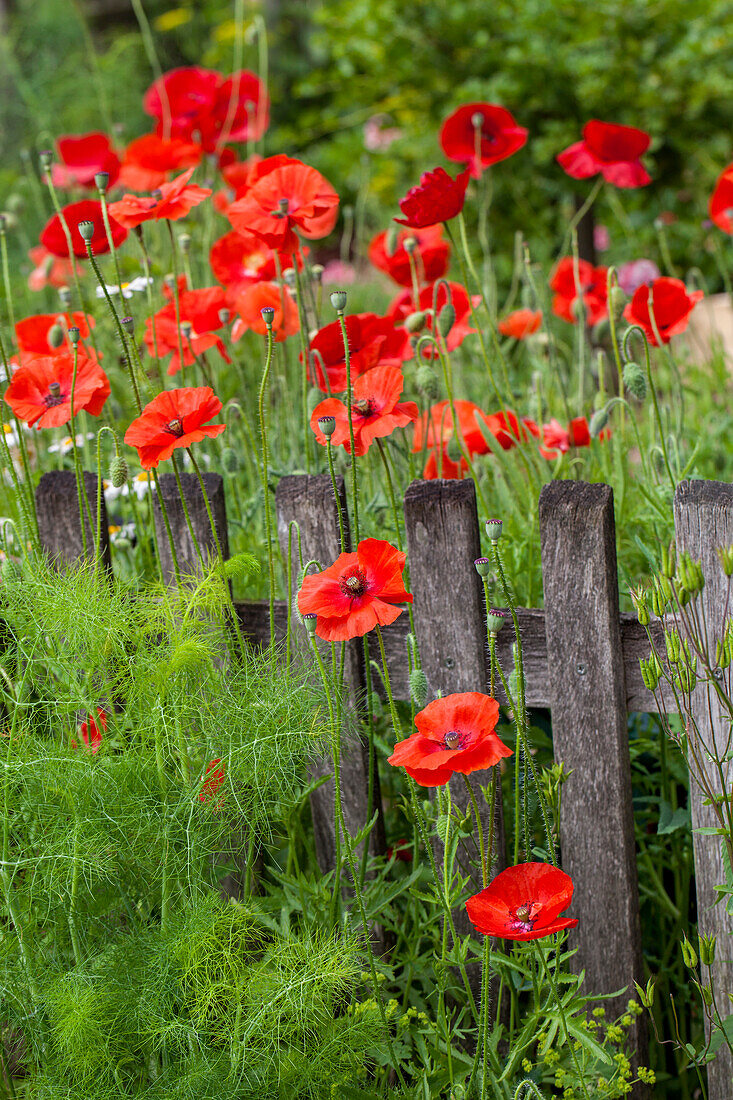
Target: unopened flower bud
[
  {"x": 184, "y": 240},
  {"x": 598, "y": 422},
  {"x": 55, "y": 335},
  {"x": 668, "y": 561},
  {"x": 617, "y": 301},
  {"x": 483, "y": 566},
  {"x": 224, "y": 315},
  {"x": 649, "y": 673},
  {"x": 118, "y": 471},
  {"x": 725, "y": 554},
  {"x": 327, "y": 424},
  {"x": 46, "y": 159},
  {"x": 317, "y": 272},
  {"x": 310, "y": 622},
  {"x": 390, "y": 241},
  {"x": 128, "y": 324},
  {"x": 101, "y": 179},
  {"x": 74, "y": 335},
  {"x": 493, "y": 529},
  {"x": 660, "y": 595},
  {"x": 673, "y": 645},
  {"x": 707, "y": 949},
  {"x": 415, "y": 322},
  {"x": 689, "y": 955},
  {"x": 86, "y": 230},
  {"x": 268, "y": 315},
  {"x": 495, "y": 620},
  {"x": 338, "y": 300},
  {"x": 419, "y": 687},
  {"x": 638, "y": 597},
  {"x": 635, "y": 380},
  {"x": 446, "y": 319},
  {"x": 427, "y": 380}
]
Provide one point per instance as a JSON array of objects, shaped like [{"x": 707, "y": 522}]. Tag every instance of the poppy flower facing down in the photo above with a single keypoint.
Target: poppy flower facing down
[
  {"x": 149, "y": 160},
  {"x": 290, "y": 199},
  {"x": 250, "y": 303},
  {"x": 454, "y": 734},
  {"x": 430, "y": 255},
  {"x": 375, "y": 410},
  {"x": 211, "y": 781},
  {"x": 174, "y": 418},
  {"x": 358, "y": 592},
  {"x": 437, "y": 198},
  {"x": 671, "y": 305},
  {"x": 40, "y": 389},
  {"x": 480, "y": 134},
  {"x": 593, "y": 285},
  {"x": 82, "y": 156},
  {"x": 521, "y": 323},
  {"x": 53, "y": 237},
  {"x": 90, "y": 731},
  {"x": 721, "y": 200},
  {"x": 610, "y": 149},
  {"x": 172, "y": 201},
  {"x": 523, "y": 903},
  {"x": 557, "y": 440}
]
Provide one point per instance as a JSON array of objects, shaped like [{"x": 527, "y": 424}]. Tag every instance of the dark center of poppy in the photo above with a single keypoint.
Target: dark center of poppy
[
  {"x": 175, "y": 427},
  {"x": 54, "y": 396},
  {"x": 364, "y": 406},
  {"x": 453, "y": 739},
  {"x": 157, "y": 194},
  {"x": 354, "y": 585}
]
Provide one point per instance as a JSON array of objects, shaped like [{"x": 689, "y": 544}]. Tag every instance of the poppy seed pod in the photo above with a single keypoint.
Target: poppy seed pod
[
  {"x": 224, "y": 315},
  {"x": 86, "y": 230},
  {"x": 74, "y": 335},
  {"x": 327, "y": 424},
  {"x": 483, "y": 566},
  {"x": 493, "y": 529},
  {"x": 118, "y": 472},
  {"x": 101, "y": 179},
  {"x": 55, "y": 336},
  {"x": 128, "y": 324},
  {"x": 446, "y": 319},
  {"x": 317, "y": 272},
  {"x": 289, "y": 277},
  {"x": 635, "y": 380},
  {"x": 338, "y": 300},
  {"x": 268, "y": 315},
  {"x": 495, "y": 620},
  {"x": 65, "y": 296},
  {"x": 186, "y": 329},
  {"x": 184, "y": 241},
  {"x": 410, "y": 244},
  {"x": 310, "y": 623},
  {"x": 46, "y": 159}
]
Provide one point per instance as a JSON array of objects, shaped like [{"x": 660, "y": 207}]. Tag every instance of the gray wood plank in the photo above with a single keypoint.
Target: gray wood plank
[
  {"x": 704, "y": 521},
  {"x": 59, "y": 523},
  {"x": 589, "y": 729},
  {"x": 188, "y": 559}
]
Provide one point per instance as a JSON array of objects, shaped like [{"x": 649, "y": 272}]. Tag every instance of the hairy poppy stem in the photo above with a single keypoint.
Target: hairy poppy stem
[
  {"x": 650, "y": 383},
  {"x": 349, "y": 399},
  {"x": 72, "y": 258},
  {"x": 176, "y": 298},
  {"x": 29, "y": 513},
  {"x": 78, "y": 473},
  {"x": 264, "y": 479},
  {"x": 563, "y": 1020}
]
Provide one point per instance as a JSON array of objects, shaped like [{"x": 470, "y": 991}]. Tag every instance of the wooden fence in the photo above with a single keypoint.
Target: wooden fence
[{"x": 581, "y": 661}]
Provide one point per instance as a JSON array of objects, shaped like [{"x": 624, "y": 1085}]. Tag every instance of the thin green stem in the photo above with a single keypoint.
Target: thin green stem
[
  {"x": 265, "y": 480},
  {"x": 349, "y": 399}
]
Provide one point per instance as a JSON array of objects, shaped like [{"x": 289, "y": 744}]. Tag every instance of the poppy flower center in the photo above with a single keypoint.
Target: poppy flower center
[
  {"x": 354, "y": 585},
  {"x": 525, "y": 916},
  {"x": 365, "y": 406},
  {"x": 175, "y": 427},
  {"x": 54, "y": 396},
  {"x": 453, "y": 739},
  {"x": 282, "y": 209}
]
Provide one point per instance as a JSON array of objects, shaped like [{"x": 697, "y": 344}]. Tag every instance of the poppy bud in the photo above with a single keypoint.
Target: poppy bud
[
  {"x": 317, "y": 272},
  {"x": 86, "y": 230},
  {"x": 102, "y": 181},
  {"x": 689, "y": 954},
  {"x": 427, "y": 380},
  {"x": 390, "y": 241},
  {"x": 493, "y": 529},
  {"x": 184, "y": 241},
  {"x": 598, "y": 422},
  {"x": 495, "y": 621},
  {"x": 224, "y": 315},
  {"x": 483, "y": 566},
  {"x": 118, "y": 471},
  {"x": 327, "y": 424},
  {"x": 268, "y": 315},
  {"x": 707, "y": 949},
  {"x": 128, "y": 324},
  {"x": 410, "y": 244},
  {"x": 310, "y": 622},
  {"x": 617, "y": 301},
  {"x": 65, "y": 296},
  {"x": 46, "y": 159},
  {"x": 55, "y": 336},
  {"x": 74, "y": 335},
  {"x": 230, "y": 460},
  {"x": 635, "y": 380},
  {"x": 414, "y": 322},
  {"x": 419, "y": 687},
  {"x": 725, "y": 554},
  {"x": 338, "y": 300},
  {"x": 186, "y": 329},
  {"x": 446, "y": 319}
]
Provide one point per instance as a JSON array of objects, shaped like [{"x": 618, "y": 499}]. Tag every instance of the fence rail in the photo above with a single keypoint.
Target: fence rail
[{"x": 581, "y": 661}]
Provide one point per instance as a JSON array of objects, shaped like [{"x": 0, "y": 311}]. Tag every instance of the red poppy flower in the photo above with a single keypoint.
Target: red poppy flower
[
  {"x": 454, "y": 734},
  {"x": 373, "y": 340},
  {"x": 49, "y": 270},
  {"x": 480, "y": 134},
  {"x": 557, "y": 440},
  {"x": 441, "y": 465},
  {"x": 40, "y": 389},
  {"x": 90, "y": 732},
  {"x": 401, "y": 850},
  {"x": 593, "y": 286},
  {"x": 211, "y": 780},
  {"x": 82, "y": 156},
  {"x": 610, "y": 149},
  {"x": 53, "y": 237},
  {"x": 250, "y": 303},
  {"x": 149, "y": 160},
  {"x": 506, "y": 428},
  {"x": 376, "y": 410},
  {"x": 241, "y": 112},
  {"x": 357, "y": 592},
  {"x": 523, "y": 903},
  {"x": 174, "y": 200},
  {"x": 194, "y": 102},
  {"x": 672, "y": 306},
  {"x": 175, "y": 418},
  {"x": 240, "y": 259},
  {"x": 401, "y": 307},
  {"x": 32, "y": 333},
  {"x": 437, "y": 198},
  {"x": 721, "y": 200},
  {"x": 200, "y": 316},
  {"x": 430, "y": 255},
  {"x": 521, "y": 323},
  {"x": 288, "y": 198},
  {"x": 438, "y": 423}
]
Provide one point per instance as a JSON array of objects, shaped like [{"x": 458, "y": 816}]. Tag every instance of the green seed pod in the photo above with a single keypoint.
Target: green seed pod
[
  {"x": 635, "y": 381},
  {"x": 419, "y": 687},
  {"x": 446, "y": 319},
  {"x": 660, "y": 596},
  {"x": 725, "y": 554},
  {"x": 673, "y": 645},
  {"x": 86, "y": 230},
  {"x": 118, "y": 472},
  {"x": 483, "y": 566},
  {"x": 646, "y": 996},
  {"x": 707, "y": 949},
  {"x": 707, "y": 994},
  {"x": 648, "y": 674},
  {"x": 638, "y": 597},
  {"x": 338, "y": 300},
  {"x": 495, "y": 621},
  {"x": 689, "y": 955},
  {"x": 310, "y": 622}
]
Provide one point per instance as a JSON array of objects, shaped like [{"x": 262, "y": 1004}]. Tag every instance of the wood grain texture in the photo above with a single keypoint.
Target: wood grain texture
[
  {"x": 589, "y": 730},
  {"x": 309, "y": 501},
  {"x": 59, "y": 524},
  {"x": 704, "y": 521},
  {"x": 188, "y": 559}
]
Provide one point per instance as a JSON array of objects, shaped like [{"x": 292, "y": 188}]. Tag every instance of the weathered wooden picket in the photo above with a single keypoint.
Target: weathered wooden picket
[{"x": 581, "y": 661}]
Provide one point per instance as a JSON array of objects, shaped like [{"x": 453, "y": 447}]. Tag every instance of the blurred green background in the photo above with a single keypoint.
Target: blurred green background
[{"x": 334, "y": 65}]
